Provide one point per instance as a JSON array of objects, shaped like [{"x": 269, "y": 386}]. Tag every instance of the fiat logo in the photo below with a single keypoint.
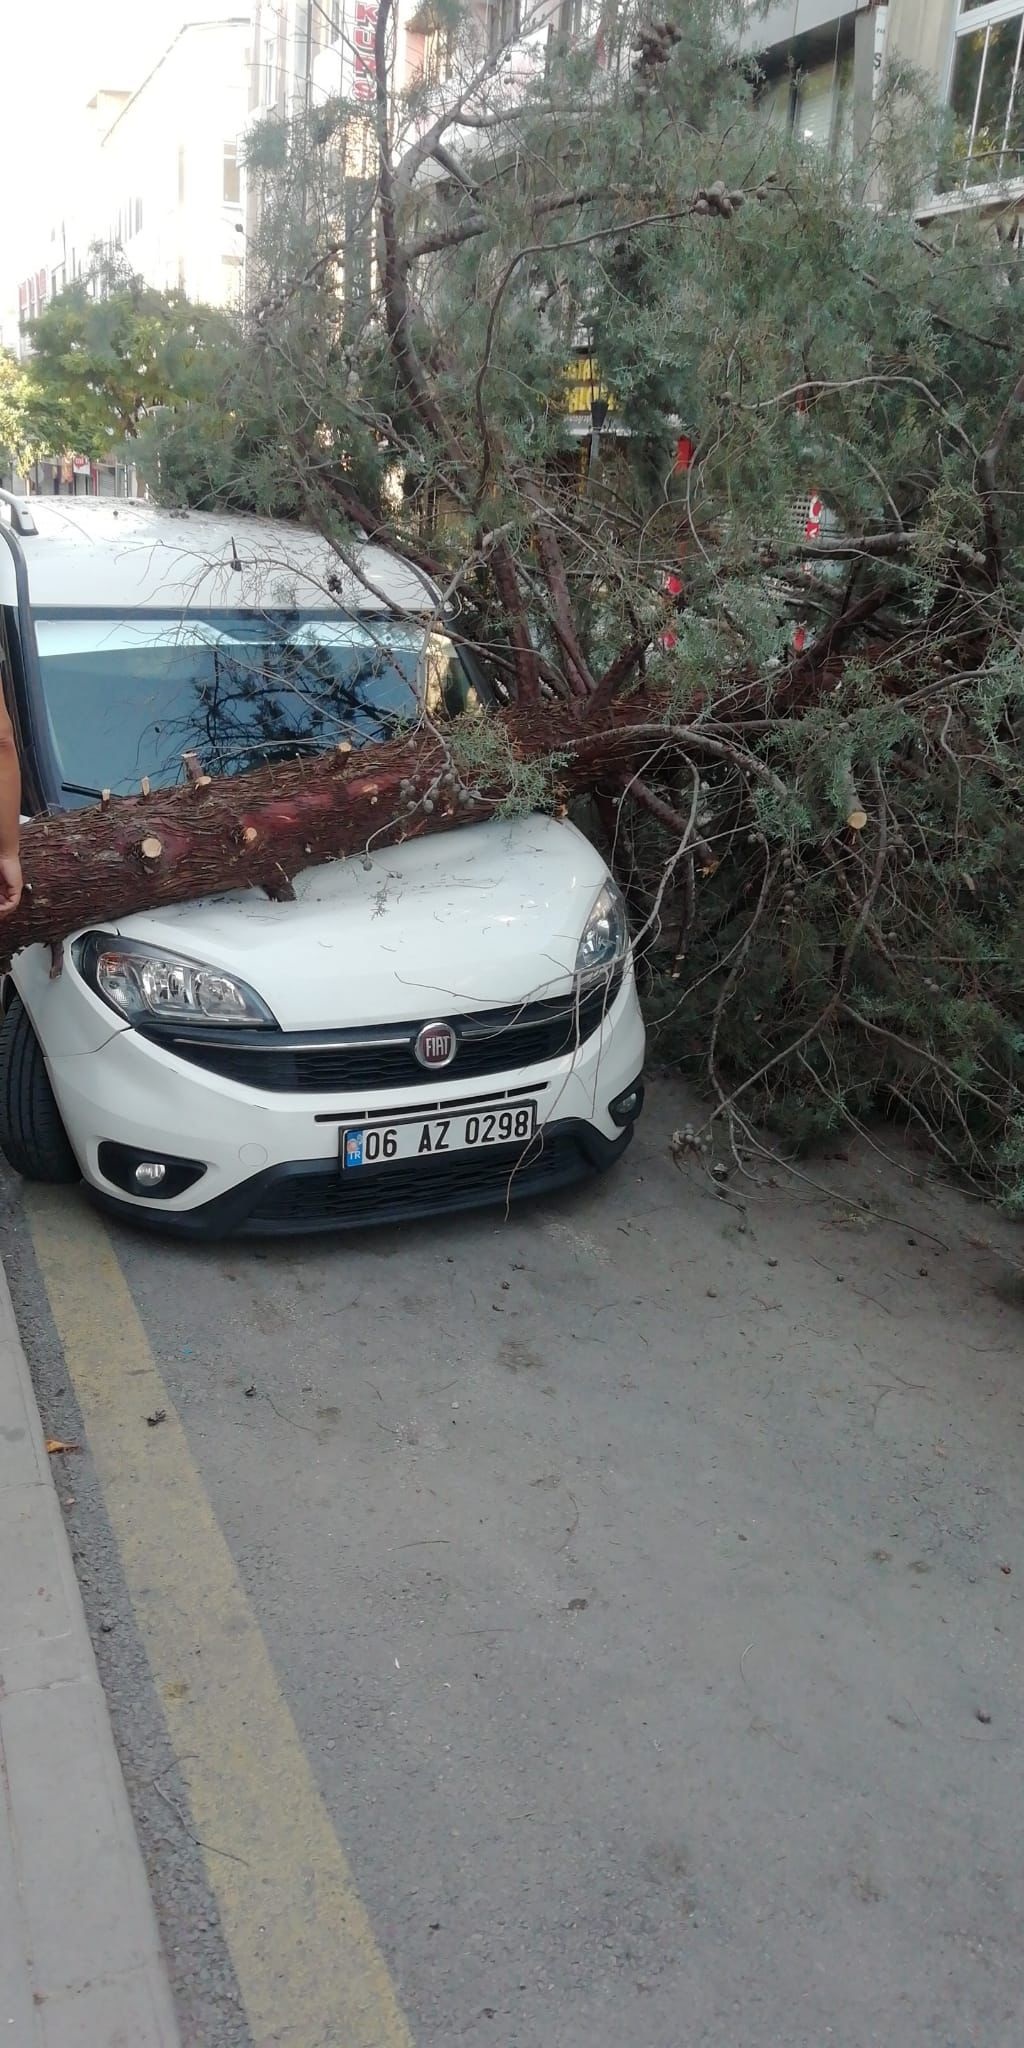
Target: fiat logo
[{"x": 436, "y": 1045}]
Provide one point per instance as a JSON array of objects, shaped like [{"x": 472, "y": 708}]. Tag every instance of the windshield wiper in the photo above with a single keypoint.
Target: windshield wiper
[{"x": 80, "y": 789}]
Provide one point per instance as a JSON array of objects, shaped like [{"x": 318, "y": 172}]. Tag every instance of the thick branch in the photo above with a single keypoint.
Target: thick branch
[
  {"x": 455, "y": 115},
  {"x": 666, "y": 814},
  {"x": 834, "y": 637},
  {"x": 850, "y": 547},
  {"x": 263, "y": 828},
  {"x": 371, "y": 525},
  {"x": 948, "y": 326},
  {"x": 394, "y": 285},
  {"x": 812, "y": 387},
  {"x": 618, "y": 672},
  {"x": 580, "y": 679},
  {"x": 987, "y": 479},
  {"x": 506, "y": 582},
  {"x": 477, "y": 224}
]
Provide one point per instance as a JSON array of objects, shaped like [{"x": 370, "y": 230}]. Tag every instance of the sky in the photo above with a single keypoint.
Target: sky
[{"x": 53, "y": 57}]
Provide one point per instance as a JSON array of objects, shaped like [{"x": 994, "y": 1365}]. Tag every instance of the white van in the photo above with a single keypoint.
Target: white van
[{"x": 428, "y": 1028}]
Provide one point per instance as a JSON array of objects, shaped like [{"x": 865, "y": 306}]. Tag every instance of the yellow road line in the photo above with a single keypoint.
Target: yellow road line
[{"x": 307, "y": 1964}]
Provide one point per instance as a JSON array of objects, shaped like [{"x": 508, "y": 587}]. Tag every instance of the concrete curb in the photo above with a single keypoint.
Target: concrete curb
[{"x": 80, "y": 1958}]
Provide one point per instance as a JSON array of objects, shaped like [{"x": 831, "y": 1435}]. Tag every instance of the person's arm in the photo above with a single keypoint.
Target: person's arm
[{"x": 10, "y": 816}]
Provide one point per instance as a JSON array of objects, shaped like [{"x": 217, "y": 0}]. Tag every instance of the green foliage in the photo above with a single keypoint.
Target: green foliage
[
  {"x": 849, "y": 938},
  {"x": 108, "y": 352},
  {"x": 483, "y": 757},
  {"x": 14, "y": 447}
]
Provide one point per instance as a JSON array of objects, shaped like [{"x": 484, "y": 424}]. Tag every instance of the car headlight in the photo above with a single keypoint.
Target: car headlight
[
  {"x": 145, "y": 984},
  {"x": 605, "y": 940}
]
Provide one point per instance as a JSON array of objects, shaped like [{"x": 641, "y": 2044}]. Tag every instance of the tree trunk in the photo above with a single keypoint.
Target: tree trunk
[{"x": 211, "y": 835}]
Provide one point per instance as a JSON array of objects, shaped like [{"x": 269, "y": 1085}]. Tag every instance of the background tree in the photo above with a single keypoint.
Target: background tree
[
  {"x": 788, "y": 549},
  {"x": 13, "y": 406},
  {"x": 108, "y": 351}
]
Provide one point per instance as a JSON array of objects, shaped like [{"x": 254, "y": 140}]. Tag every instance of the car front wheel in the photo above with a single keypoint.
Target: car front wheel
[{"x": 32, "y": 1137}]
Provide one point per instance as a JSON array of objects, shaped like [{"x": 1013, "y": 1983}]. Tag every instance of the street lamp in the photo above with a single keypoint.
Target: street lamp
[{"x": 598, "y": 408}]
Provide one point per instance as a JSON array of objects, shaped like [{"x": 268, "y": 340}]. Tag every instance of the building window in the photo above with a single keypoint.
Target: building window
[
  {"x": 232, "y": 175},
  {"x": 986, "y": 93},
  {"x": 332, "y": 17},
  {"x": 439, "y": 45},
  {"x": 270, "y": 71},
  {"x": 565, "y": 29},
  {"x": 818, "y": 103},
  {"x": 503, "y": 23},
  {"x": 814, "y": 103}
]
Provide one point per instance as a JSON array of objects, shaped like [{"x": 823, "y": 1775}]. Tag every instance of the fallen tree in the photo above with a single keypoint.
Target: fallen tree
[
  {"x": 214, "y": 834},
  {"x": 720, "y": 466},
  {"x": 814, "y": 877}
]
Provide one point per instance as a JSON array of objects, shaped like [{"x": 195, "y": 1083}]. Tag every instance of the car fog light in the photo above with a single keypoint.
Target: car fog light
[
  {"x": 133, "y": 1169},
  {"x": 626, "y": 1107}
]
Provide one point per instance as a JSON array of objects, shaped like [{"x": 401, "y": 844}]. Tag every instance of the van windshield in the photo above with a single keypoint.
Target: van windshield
[{"x": 127, "y": 697}]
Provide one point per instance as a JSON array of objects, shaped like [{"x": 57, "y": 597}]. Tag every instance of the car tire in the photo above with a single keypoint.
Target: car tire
[{"x": 32, "y": 1137}]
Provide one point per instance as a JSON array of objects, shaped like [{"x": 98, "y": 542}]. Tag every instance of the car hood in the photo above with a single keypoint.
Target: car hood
[{"x": 491, "y": 913}]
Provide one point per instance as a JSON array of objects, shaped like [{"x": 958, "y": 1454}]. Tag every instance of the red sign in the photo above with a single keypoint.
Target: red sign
[
  {"x": 364, "y": 70},
  {"x": 815, "y": 514}
]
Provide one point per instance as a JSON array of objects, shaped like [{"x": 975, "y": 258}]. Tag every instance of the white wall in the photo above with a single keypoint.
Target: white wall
[
  {"x": 162, "y": 168},
  {"x": 921, "y": 32}
]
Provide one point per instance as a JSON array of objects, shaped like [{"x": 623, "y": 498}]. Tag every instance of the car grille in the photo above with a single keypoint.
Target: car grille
[
  {"x": 320, "y": 1063},
  {"x": 389, "y": 1194}
]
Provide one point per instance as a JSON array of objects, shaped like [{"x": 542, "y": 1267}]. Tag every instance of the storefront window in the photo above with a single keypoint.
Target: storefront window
[{"x": 986, "y": 93}]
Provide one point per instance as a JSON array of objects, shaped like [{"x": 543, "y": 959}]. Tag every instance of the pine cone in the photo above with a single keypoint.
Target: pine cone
[{"x": 654, "y": 45}]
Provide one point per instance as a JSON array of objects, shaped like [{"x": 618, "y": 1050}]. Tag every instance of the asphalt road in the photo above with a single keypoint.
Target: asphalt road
[{"x": 595, "y": 1629}]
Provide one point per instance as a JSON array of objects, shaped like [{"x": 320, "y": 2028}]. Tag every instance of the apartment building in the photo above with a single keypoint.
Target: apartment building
[
  {"x": 159, "y": 179},
  {"x": 63, "y": 256},
  {"x": 170, "y": 173},
  {"x": 825, "y": 63},
  {"x": 163, "y": 182}
]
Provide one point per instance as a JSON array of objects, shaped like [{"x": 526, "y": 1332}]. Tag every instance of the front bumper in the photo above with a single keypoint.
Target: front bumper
[
  {"x": 271, "y": 1160},
  {"x": 308, "y": 1195}
]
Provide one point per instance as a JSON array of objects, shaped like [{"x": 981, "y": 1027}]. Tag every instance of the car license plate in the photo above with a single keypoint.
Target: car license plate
[{"x": 425, "y": 1137}]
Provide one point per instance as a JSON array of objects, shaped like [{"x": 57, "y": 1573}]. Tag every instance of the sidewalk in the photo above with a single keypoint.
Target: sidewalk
[{"x": 80, "y": 1961}]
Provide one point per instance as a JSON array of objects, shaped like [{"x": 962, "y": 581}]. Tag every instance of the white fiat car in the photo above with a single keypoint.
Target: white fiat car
[{"x": 428, "y": 1027}]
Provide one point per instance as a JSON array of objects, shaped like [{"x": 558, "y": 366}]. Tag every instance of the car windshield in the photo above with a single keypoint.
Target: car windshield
[{"x": 128, "y": 697}]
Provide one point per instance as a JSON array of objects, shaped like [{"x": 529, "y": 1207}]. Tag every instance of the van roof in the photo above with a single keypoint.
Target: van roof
[{"x": 90, "y": 553}]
